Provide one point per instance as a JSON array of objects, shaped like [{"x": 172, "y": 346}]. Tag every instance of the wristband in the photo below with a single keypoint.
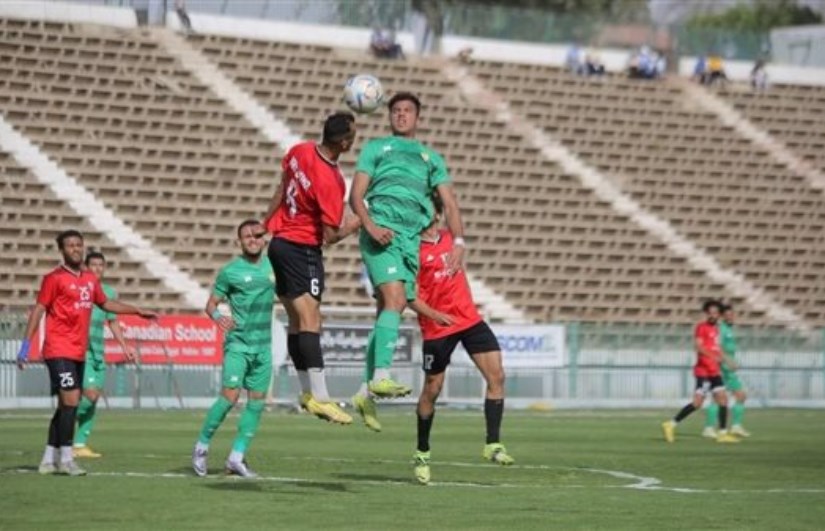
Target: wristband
[
  {"x": 459, "y": 241},
  {"x": 216, "y": 314}
]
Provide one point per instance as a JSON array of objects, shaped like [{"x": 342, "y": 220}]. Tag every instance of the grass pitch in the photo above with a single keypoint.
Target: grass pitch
[{"x": 575, "y": 470}]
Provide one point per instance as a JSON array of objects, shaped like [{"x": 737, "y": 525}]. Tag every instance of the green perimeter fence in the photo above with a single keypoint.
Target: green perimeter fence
[{"x": 603, "y": 365}]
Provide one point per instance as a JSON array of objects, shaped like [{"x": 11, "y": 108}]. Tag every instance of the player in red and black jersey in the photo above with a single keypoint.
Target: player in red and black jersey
[
  {"x": 447, "y": 316},
  {"x": 66, "y": 297},
  {"x": 708, "y": 373},
  {"x": 306, "y": 213}
]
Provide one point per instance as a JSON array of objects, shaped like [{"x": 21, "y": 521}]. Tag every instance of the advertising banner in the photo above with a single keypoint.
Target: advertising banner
[
  {"x": 529, "y": 346},
  {"x": 346, "y": 344}
]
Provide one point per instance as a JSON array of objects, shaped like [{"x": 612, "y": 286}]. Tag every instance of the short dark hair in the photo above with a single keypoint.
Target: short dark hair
[
  {"x": 710, "y": 304},
  {"x": 94, "y": 255},
  {"x": 726, "y": 306},
  {"x": 438, "y": 204},
  {"x": 247, "y": 223},
  {"x": 66, "y": 234},
  {"x": 405, "y": 96},
  {"x": 337, "y": 126}
]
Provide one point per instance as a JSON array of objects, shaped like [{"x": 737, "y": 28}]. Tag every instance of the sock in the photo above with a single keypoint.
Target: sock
[
  {"x": 235, "y": 457},
  {"x": 687, "y": 410},
  {"x": 738, "y": 413},
  {"x": 65, "y": 425},
  {"x": 85, "y": 420},
  {"x": 723, "y": 418},
  {"x": 49, "y": 455},
  {"x": 318, "y": 385},
  {"x": 381, "y": 374},
  {"x": 493, "y": 411},
  {"x": 247, "y": 426},
  {"x": 386, "y": 336},
  {"x": 363, "y": 390},
  {"x": 53, "y": 440},
  {"x": 66, "y": 454},
  {"x": 712, "y": 415},
  {"x": 369, "y": 366},
  {"x": 214, "y": 418},
  {"x": 294, "y": 351},
  {"x": 303, "y": 381},
  {"x": 424, "y": 427}
]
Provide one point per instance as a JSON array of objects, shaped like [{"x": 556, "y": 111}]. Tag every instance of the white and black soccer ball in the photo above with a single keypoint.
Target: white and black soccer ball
[{"x": 363, "y": 93}]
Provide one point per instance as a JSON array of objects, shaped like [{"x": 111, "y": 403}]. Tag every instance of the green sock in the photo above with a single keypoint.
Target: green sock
[
  {"x": 369, "y": 367},
  {"x": 85, "y": 420},
  {"x": 738, "y": 413},
  {"x": 214, "y": 418},
  {"x": 386, "y": 335},
  {"x": 712, "y": 415},
  {"x": 248, "y": 425}
]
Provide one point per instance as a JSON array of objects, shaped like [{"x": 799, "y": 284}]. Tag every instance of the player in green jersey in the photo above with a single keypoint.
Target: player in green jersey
[
  {"x": 727, "y": 340},
  {"x": 394, "y": 179},
  {"x": 247, "y": 283},
  {"x": 94, "y": 372}
]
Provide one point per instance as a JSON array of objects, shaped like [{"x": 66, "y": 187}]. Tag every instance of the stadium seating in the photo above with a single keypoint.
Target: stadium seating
[
  {"x": 30, "y": 217},
  {"x": 794, "y": 114},
  {"x": 537, "y": 235},
  {"x": 751, "y": 213},
  {"x": 182, "y": 168}
]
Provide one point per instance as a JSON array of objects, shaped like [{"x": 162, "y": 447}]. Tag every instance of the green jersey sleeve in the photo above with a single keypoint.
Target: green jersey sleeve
[
  {"x": 439, "y": 174},
  {"x": 368, "y": 158},
  {"x": 222, "y": 286},
  {"x": 111, "y": 294}
]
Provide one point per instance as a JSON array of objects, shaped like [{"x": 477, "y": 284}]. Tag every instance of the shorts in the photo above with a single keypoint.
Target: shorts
[
  {"x": 94, "y": 374},
  {"x": 732, "y": 381},
  {"x": 64, "y": 374},
  {"x": 709, "y": 384},
  {"x": 298, "y": 268},
  {"x": 394, "y": 262},
  {"x": 252, "y": 372},
  {"x": 475, "y": 340}
]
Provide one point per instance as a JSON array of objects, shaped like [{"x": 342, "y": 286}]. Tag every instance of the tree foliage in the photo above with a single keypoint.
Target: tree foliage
[{"x": 761, "y": 16}]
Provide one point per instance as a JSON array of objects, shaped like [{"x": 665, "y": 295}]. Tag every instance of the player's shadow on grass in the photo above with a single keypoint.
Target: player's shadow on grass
[
  {"x": 377, "y": 478},
  {"x": 19, "y": 468},
  {"x": 262, "y": 485}
]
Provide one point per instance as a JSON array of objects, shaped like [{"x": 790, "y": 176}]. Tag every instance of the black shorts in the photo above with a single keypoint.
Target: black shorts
[
  {"x": 65, "y": 374},
  {"x": 475, "y": 340},
  {"x": 298, "y": 268},
  {"x": 709, "y": 384}
]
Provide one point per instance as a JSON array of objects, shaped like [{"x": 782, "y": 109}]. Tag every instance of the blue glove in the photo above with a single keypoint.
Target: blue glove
[{"x": 23, "y": 353}]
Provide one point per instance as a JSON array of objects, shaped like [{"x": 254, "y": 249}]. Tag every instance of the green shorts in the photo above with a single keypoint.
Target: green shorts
[
  {"x": 397, "y": 261},
  {"x": 252, "y": 372},
  {"x": 94, "y": 373},
  {"x": 732, "y": 381}
]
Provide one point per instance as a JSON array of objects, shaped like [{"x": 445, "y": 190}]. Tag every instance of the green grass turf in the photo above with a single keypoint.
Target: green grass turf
[{"x": 317, "y": 475}]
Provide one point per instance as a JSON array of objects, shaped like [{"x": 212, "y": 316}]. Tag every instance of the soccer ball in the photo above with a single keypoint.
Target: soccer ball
[{"x": 363, "y": 93}]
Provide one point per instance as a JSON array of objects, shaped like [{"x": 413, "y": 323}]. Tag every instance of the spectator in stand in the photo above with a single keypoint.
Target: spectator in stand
[
  {"x": 700, "y": 70},
  {"x": 660, "y": 65},
  {"x": 575, "y": 61},
  {"x": 465, "y": 55},
  {"x": 180, "y": 9},
  {"x": 715, "y": 70},
  {"x": 593, "y": 63},
  {"x": 643, "y": 64},
  {"x": 383, "y": 45},
  {"x": 759, "y": 76}
]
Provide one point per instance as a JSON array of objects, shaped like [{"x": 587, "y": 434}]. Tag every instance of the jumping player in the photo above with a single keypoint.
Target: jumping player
[
  {"x": 66, "y": 297},
  {"x": 306, "y": 213},
  {"x": 733, "y": 384},
  {"x": 248, "y": 284},
  {"x": 396, "y": 175},
  {"x": 708, "y": 375},
  {"x": 94, "y": 372}
]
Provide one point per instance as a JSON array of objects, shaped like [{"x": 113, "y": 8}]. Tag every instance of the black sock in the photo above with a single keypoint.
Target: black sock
[
  {"x": 424, "y": 426},
  {"x": 723, "y": 417},
  {"x": 65, "y": 425},
  {"x": 493, "y": 411},
  {"x": 53, "y": 439},
  {"x": 294, "y": 352},
  {"x": 309, "y": 343},
  {"x": 687, "y": 410}
]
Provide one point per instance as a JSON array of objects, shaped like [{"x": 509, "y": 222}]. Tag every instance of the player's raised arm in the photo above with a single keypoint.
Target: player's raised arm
[
  {"x": 356, "y": 201},
  {"x": 453, "y": 216},
  {"x": 277, "y": 197},
  {"x": 115, "y": 306},
  {"x": 34, "y": 320}
]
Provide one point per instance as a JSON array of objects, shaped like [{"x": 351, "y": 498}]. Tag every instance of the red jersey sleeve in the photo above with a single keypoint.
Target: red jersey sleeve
[
  {"x": 48, "y": 289},
  {"x": 330, "y": 201},
  {"x": 99, "y": 296}
]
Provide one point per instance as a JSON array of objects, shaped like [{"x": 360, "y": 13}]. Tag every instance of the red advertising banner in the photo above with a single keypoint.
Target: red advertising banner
[{"x": 178, "y": 339}]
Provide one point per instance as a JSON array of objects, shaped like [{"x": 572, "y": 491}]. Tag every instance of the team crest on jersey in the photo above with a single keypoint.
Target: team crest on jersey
[
  {"x": 387, "y": 148},
  {"x": 426, "y": 157}
]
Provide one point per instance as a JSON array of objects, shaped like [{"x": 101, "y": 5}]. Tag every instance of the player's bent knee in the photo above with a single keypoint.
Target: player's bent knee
[
  {"x": 231, "y": 394},
  {"x": 92, "y": 394}
]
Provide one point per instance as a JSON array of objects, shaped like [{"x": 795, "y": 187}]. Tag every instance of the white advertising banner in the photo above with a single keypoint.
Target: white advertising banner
[{"x": 538, "y": 346}]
